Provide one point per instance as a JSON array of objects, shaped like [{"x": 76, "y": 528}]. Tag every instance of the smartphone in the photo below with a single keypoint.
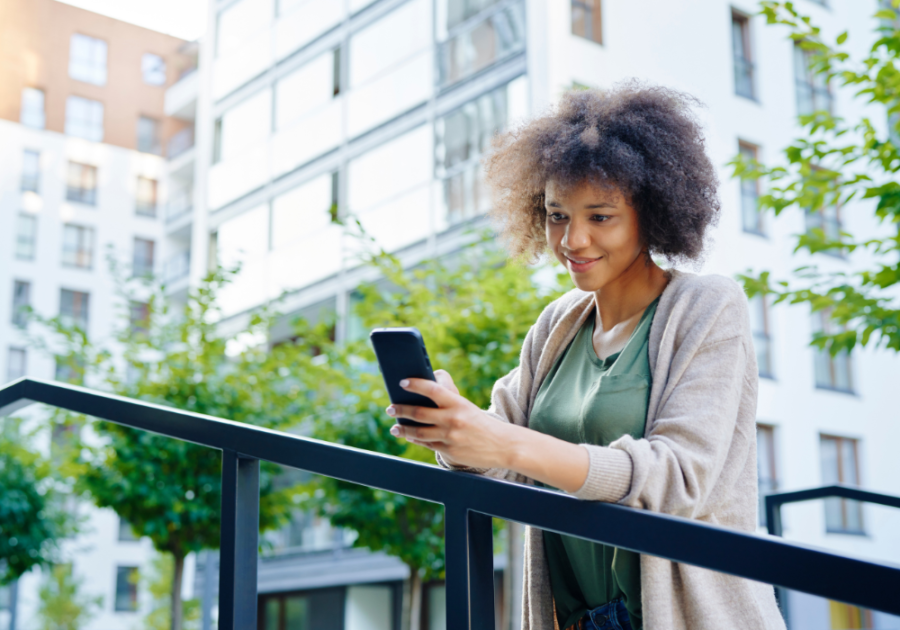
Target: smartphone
[{"x": 401, "y": 354}]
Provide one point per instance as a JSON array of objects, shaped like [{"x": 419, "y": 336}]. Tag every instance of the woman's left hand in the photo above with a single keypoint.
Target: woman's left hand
[{"x": 461, "y": 432}]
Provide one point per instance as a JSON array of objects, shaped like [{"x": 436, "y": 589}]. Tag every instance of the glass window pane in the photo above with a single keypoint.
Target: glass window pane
[
  {"x": 145, "y": 196},
  {"x": 16, "y": 364},
  {"x": 153, "y": 69},
  {"x": 126, "y": 589},
  {"x": 246, "y": 124},
  {"x": 32, "y": 112},
  {"x": 142, "y": 263},
  {"x": 305, "y": 89},
  {"x": 31, "y": 171},
  {"x": 21, "y": 301},
  {"x": 148, "y": 136},
  {"x": 26, "y": 236},
  {"x": 84, "y": 118},
  {"x": 296, "y": 613},
  {"x": 244, "y": 237},
  {"x": 126, "y": 533},
  {"x": 437, "y": 607},
  {"x": 240, "y": 21},
  {"x": 301, "y": 212},
  {"x": 87, "y": 59},
  {"x": 369, "y": 607},
  {"x": 389, "y": 41},
  {"x": 272, "y": 614}
]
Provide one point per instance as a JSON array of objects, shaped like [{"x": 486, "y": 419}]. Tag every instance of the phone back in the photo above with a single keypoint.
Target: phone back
[{"x": 401, "y": 354}]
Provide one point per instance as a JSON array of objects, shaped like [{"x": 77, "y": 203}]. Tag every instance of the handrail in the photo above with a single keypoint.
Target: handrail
[{"x": 470, "y": 501}]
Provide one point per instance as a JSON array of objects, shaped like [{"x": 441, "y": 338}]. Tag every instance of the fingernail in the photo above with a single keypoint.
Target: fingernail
[
  {"x": 391, "y": 411},
  {"x": 395, "y": 430},
  {"x": 404, "y": 383}
]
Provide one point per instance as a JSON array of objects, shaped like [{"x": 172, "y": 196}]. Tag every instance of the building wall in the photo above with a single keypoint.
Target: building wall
[
  {"x": 686, "y": 46},
  {"x": 34, "y": 52}
]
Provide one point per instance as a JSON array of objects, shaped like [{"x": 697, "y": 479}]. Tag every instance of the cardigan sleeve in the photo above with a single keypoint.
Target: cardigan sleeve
[{"x": 675, "y": 467}]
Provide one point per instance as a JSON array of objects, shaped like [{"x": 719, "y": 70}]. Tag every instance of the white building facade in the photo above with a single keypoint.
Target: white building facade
[{"x": 381, "y": 109}]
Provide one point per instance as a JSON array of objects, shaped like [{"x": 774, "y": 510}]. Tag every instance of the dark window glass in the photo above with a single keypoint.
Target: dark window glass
[
  {"x": 32, "y": 112},
  {"x": 153, "y": 69},
  {"x": 16, "y": 363},
  {"x": 751, "y": 217},
  {"x": 142, "y": 263},
  {"x": 73, "y": 308},
  {"x": 148, "y": 136},
  {"x": 84, "y": 118},
  {"x": 840, "y": 466},
  {"x": 81, "y": 183},
  {"x": 31, "y": 171},
  {"x": 26, "y": 236},
  {"x": 126, "y": 532},
  {"x": 767, "y": 476},
  {"x": 87, "y": 59},
  {"x": 587, "y": 20},
  {"x": 78, "y": 246},
  {"x": 813, "y": 90},
  {"x": 21, "y": 302},
  {"x": 126, "y": 589},
  {"x": 762, "y": 341},
  {"x": 743, "y": 58},
  {"x": 831, "y": 372},
  {"x": 145, "y": 197}
]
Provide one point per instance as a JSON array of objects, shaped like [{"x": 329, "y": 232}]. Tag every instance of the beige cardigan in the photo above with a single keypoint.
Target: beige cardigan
[{"x": 697, "y": 458}]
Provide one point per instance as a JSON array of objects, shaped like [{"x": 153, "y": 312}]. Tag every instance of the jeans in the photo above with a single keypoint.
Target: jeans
[{"x": 611, "y": 616}]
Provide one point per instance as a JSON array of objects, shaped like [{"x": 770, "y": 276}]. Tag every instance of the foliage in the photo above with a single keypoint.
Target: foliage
[
  {"x": 31, "y": 521},
  {"x": 159, "y": 584},
  {"x": 473, "y": 313},
  {"x": 62, "y": 606},
  {"x": 833, "y": 162},
  {"x": 168, "y": 490}
]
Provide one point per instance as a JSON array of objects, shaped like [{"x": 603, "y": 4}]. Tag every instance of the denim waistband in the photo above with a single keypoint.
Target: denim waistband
[{"x": 611, "y": 616}]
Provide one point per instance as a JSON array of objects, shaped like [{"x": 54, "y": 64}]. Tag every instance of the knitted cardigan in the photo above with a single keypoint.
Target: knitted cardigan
[{"x": 697, "y": 458}]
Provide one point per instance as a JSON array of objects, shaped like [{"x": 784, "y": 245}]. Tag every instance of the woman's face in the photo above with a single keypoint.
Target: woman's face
[{"x": 594, "y": 233}]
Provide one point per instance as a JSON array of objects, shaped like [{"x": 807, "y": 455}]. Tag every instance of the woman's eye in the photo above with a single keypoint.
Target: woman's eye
[
  {"x": 556, "y": 217},
  {"x": 601, "y": 217}
]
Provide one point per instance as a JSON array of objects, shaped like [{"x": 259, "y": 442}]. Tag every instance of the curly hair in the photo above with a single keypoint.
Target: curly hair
[{"x": 642, "y": 141}]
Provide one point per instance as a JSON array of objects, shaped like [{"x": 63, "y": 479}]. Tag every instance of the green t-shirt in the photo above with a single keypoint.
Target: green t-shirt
[{"x": 585, "y": 400}]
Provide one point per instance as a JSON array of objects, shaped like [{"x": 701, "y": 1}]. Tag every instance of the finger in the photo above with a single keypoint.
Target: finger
[
  {"x": 424, "y": 434},
  {"x": 435, "y": 391},
  {"x": 446, "y": 381},
  {"x": 427, "y": 415}
]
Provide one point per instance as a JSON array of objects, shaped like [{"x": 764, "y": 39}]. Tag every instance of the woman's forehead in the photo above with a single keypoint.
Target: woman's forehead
[{"x": 585, "y": 190}]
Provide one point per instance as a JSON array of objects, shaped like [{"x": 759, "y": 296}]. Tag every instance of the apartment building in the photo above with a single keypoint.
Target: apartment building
[
  {"x": 307, "y": 110},
  {"x": 83, "y": 135}
]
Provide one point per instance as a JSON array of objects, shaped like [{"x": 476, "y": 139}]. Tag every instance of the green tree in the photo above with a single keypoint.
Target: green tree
[
  {"x": 31, "y": 519},
  {"x": 159, "y": 584},
  {"x": 62, "y": 606},
  {"x": 474, "y": 313},
  {"x": 831, "y": 163},
  {"x": 168, "y": 490}
]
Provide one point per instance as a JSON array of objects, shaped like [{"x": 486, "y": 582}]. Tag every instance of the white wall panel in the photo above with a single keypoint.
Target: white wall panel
[
  {"x": 232, "y": 179},
  {"x": 312, "y": 136},
  {"x": 239, "y": 66},
  {"x": 305, "y": 24}
]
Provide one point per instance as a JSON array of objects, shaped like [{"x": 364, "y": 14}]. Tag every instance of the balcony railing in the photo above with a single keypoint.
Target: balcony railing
[
  {"x": 469, "y": 503},
  {"x": 180, "y": 203},
  {"x": 177, "y": 267},
  {"x": 180, "y": 142}
]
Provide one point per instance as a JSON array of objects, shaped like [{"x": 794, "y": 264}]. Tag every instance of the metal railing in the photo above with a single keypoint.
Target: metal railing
[{"x": 470, "y": 501}]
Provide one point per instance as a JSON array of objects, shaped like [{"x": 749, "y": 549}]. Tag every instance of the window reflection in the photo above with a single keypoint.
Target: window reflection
[{"x": 476, "y": 46}]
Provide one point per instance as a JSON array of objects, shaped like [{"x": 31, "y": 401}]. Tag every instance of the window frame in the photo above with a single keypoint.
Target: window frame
[
  {"x": 85, "y": 241},
  {"x": 146, "y": 267},
  {"x": 91, "y": 65},
  {"x": 141, "y": 206},
  {"x": 82, "y": 194},
  {"x": 28, "y": 116},
  {"x": 75, "y": 126},
  {"x": 594, "y": 22},
  {"x": 854, "y": 442},
  {"x": 21, "y": 218},
  {"x": 766, "y": 335},
  {"x": 153, "y": 144},
  {"x": 31, "y": 180},
  {"x": 131, "y": 584},
  {"x": 807, "y": 82},
  {"x": 20, "y": 287},
  {"x": 767, "y": 431},
  {"x": 160, "y": 68},
  {"x": 740, "y": 22},
  {"x": 83, "y": 299},
  {"x": 23, "y": 371},
  {"x": 823, "y": 323},
  {"x": 752, "y": 150}
]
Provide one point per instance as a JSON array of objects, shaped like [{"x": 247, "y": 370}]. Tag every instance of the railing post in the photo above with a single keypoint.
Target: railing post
[
  {"x": 775, "y": 527},
  {"x": 469, "y": 556},
  {"x": 239, "y": 542}
]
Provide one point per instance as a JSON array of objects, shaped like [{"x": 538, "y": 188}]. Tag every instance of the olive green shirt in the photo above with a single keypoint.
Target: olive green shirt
[{"x": 586, "y": 400}]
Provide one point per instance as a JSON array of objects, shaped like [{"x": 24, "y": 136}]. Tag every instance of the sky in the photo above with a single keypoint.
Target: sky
[{"x": 182, "y": 18}]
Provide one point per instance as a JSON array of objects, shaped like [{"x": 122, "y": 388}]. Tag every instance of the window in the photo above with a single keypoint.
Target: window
[
  {"x": 244, "y": 126},
  {"x": 766, "y": 475},
  {"x": 759, "y": 325},
  {"x": 139, "y": 317},
  {"x": 297, "y": 611},
  {"x": 32, "y": 112},
  {"x": 66, "y": 370},
  {"x": 21, "y": 302},
  {"x": 813, "y": 90},
  {"x": 848, "y": 616},
  {"x": 832, "y": 372},
  {"x": 241, "y": 20},
  {"x": 145, "y": 197},
  {"x": 827, "y": 219},
  {"x": 477, "y": 46},
  {"x": 840, "y": 465},
  {"x": 460, "y": 139},
  {"x": 126, "y": 533},
  {"x": 73, "y": 308},
  {"x": 31, "y": 171},
  {"x": 81, "y": 183},
  {"x": 586, "y": 20},
  {"x": 307, "y": 89},
  {"x": 142, "y": 262},
  {"x": 26, "y": 236},
  {"x": 84, "y": 118},
  {"x": 743, "y": 56},
  {"x": 751, "y": 217},
  {"x": 148, "y": 136},
  {"x": 153, "y": 69},
  {"x": 126, "y": 589},
  {"x": 87, "y": 59},
  {"x": 78, "y": 246},
  {"x": 16, "y": 363}
]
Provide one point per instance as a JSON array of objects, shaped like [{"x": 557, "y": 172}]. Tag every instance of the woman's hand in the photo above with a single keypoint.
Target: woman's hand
[{"x": 462, "y": 433}]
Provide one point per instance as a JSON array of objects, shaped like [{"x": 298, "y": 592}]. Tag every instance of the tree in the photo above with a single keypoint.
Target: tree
[
  {"x": 159, "y": 585},
  {"x": 31, "y": 521},
  {"x": 62, "y": 606},
  {"x": 474, "y": 314},
  {"x": 833, "y": 162},
  {"x": 168, "y": 490}
]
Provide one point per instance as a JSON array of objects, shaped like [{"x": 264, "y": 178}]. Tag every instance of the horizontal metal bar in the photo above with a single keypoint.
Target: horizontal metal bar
[
  {"x": 762, "y": 558},
  {"x": 836, "y": 490}
]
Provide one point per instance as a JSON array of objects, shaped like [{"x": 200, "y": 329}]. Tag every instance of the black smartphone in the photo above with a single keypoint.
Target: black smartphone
[{"x": 401, "y": 354}]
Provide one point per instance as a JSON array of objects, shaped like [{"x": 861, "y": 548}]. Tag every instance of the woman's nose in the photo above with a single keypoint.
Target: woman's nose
[{"x": 576, "y": 237}]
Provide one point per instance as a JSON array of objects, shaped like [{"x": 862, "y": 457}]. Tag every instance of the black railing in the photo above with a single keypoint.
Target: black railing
[{"x": 469, "y": 502}]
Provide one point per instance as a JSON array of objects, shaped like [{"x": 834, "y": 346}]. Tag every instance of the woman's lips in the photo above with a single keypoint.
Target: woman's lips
[{"x": 581, "y": 267}]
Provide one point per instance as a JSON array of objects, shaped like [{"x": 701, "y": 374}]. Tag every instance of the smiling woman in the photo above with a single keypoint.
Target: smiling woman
[{"x": 638, "y": 386}]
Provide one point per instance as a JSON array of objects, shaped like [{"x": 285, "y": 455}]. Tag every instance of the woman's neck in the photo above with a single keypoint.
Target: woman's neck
[{"x": 629, "y": 294}]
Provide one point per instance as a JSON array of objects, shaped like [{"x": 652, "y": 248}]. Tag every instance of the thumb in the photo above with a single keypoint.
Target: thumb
[{"x": 446, "y": 381}]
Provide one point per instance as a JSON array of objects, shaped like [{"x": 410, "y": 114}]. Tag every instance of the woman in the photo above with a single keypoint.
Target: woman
[{"x": 638, "y": 386}]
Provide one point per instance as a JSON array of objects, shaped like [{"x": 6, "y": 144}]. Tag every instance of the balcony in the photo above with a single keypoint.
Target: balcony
[
  {"x": 180, "y": 143},
  {"x": 470, "y": 502},
  {"x": 177, "y": 267},
  {"x": 181, "y": 98},
  {"x": 181, "y": 203}
]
